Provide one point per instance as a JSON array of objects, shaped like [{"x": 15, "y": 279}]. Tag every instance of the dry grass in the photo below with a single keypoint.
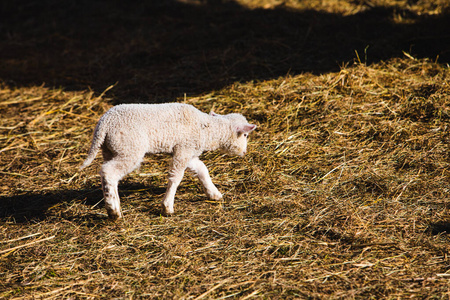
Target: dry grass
[{"x": 343, "y": 194}]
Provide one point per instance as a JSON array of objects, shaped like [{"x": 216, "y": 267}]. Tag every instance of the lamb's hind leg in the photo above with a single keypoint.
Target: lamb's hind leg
[
  {"x": 111, "y": 196},
  {"x": 111, "y": 173}
]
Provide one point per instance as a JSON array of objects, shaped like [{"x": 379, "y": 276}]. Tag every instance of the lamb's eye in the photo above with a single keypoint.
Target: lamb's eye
[{"x": 246, "y": 134}]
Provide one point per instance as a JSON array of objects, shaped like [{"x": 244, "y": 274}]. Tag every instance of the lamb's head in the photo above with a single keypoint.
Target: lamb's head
[{"x": 236, "y": 143}]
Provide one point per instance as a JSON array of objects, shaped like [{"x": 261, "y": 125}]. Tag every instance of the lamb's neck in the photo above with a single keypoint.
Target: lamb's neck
[{"x": 218, "y": 135}]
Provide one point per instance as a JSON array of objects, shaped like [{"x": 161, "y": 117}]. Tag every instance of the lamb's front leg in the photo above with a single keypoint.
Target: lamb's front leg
[
  {"x": 176, "y": 173},
  {"x": 199, "y": 168}
]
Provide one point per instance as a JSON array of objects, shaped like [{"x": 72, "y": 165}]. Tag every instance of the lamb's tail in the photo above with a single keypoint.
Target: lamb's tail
[{"x": 97, "y": 142}]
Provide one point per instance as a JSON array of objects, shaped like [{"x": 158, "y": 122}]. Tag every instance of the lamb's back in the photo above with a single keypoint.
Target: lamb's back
[{"x": 155, "y": 127}]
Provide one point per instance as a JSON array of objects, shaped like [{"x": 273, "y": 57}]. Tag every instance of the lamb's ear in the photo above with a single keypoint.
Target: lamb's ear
[
  {"x": 246, "y": 128},
  {"x": 213, "y": 114}
]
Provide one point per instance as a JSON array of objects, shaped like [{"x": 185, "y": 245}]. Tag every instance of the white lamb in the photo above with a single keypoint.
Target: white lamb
[{"x": 127, "y": 132}]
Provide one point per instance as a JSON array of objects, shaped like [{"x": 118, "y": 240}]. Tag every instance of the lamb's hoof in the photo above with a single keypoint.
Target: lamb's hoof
[
  {"x": 166, "y": 212},
  {"x": 214, "y": 195},
  {"x": 114, "y": 215}
]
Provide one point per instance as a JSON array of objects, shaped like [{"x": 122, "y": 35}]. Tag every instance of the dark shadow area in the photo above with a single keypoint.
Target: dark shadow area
[
  {"x": 30, "y": 207},
  {"x": 158, "y": 50},
  {"x": 35, "y": 207},
  {"x": 442, "y": 227}
]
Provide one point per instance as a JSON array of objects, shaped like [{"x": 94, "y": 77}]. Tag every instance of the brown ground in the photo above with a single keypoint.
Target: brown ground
[{"x": 344, "y": 192}]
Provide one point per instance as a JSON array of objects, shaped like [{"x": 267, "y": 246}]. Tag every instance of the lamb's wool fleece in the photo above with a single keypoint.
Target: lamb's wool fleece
[{"x": 127, "y": 132}]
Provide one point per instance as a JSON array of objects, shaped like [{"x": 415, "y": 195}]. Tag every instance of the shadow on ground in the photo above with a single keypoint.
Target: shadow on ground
[
  {"x": 442, "y": 227},
  {"x": 35, "y": 207},
  {"x": 158, "y": 50},
  {"x": 31, "y": 207}
]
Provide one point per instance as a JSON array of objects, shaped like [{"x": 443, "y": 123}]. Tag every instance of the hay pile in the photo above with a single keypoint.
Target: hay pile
[{"x": 344, "y": 193}]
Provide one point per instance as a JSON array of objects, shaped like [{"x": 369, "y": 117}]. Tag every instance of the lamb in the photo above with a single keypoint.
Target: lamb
[{"x": 127, "y": 132}]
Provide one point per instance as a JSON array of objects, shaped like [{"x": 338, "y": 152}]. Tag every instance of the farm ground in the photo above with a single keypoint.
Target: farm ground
[{"x": 344, "y": 191}]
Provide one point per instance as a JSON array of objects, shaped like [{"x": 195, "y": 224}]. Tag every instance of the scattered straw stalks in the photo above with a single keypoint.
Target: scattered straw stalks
[{"x": 344, "y": 194}]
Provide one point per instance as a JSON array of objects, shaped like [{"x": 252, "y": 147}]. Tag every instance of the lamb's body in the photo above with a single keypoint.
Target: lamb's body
[{"x": 127, "y": 132}]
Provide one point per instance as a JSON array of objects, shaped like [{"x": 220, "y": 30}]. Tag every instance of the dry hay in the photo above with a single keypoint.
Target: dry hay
[{"x": 343, "y": 194}]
